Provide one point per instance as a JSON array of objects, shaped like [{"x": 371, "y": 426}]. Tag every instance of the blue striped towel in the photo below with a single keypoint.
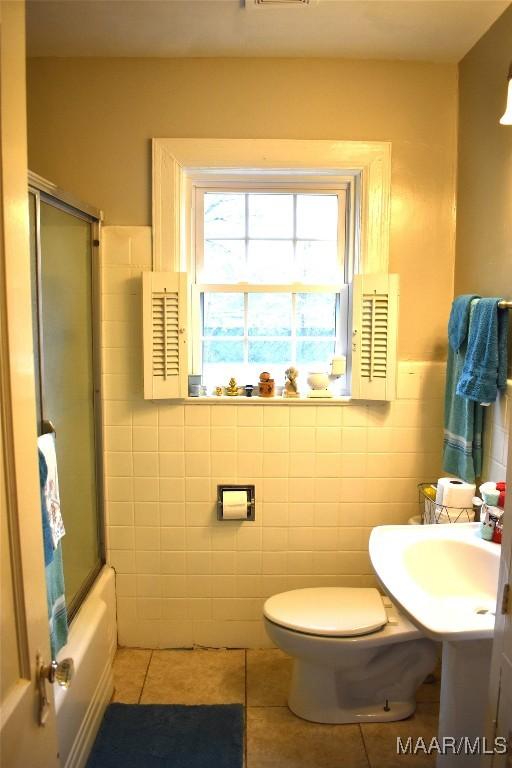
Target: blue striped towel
[
  {"x": 485, "y": 365},
  {"x": 57, "y": 611},
  {"x": 46, "y": 444},
  {"x": 55, "y": 593},
  {"x": 463, "y": 418},
  {"x": 47, "y": 531}
]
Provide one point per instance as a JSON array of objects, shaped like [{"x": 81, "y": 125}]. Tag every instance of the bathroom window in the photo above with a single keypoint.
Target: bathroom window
[
  {"x": 271, "y": 269},
  {"x": 256, "y": 217}
]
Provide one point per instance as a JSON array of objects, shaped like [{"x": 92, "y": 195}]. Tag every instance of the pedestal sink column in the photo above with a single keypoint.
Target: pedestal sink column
[{"x": 464, "y": 684}]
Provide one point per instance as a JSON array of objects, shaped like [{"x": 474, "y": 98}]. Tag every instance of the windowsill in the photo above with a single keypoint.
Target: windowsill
[{"x": 256, "y": 400}]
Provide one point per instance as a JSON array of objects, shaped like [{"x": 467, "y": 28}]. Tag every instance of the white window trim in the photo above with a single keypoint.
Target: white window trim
[{"x": 177, "y": 161}]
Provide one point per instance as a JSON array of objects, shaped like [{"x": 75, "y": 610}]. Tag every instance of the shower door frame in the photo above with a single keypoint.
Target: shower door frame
[{"x": 47, "y": 192}]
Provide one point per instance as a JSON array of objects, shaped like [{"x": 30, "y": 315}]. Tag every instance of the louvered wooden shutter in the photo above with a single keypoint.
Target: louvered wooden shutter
[
  {"x": 374, "y": 336},
  {"x": 164, "y": 319}
]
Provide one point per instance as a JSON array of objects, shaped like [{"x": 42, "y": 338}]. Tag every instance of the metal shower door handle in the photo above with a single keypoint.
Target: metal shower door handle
[{"x": 48, "y": 427}]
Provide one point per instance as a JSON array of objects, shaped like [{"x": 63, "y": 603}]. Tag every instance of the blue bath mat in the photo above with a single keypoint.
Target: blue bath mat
[{"x": 169, "y": 736}]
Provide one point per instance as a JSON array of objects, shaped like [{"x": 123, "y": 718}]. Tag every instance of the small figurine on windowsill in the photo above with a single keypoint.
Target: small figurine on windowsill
[
  {"x": 266, "y": 385},
  {"x": 232, "y": 388},
  {"x": 219, "y": 391},
  {"x": 290, "y": 385}
]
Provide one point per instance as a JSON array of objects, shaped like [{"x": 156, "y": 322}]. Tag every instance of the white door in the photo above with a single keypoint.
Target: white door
[
  {"x": 502, "y": 655},
  {"x": 24, "y": 623},
  {"x": 501, "y": 667}
]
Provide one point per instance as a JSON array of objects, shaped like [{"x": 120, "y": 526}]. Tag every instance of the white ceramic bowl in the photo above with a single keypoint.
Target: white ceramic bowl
[{"x": 317, "y": 380}]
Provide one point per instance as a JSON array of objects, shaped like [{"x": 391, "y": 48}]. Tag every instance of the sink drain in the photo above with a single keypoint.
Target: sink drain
[{"x": 483, "y": 611}]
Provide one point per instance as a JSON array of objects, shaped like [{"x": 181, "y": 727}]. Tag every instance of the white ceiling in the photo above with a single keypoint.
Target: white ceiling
[{"x": 428, "y": 30}]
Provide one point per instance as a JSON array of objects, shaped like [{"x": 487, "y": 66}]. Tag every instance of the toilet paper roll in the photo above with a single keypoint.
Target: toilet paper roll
[
  {"x": 452, "y": 496},
  {"x": 234, "y": 505},
  {"x": 459, "y": 494},
  {"x": 441, "y": 484}
]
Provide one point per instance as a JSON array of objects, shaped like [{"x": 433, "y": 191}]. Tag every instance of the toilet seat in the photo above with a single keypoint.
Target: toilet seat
[{"x": 328, "y": 611}]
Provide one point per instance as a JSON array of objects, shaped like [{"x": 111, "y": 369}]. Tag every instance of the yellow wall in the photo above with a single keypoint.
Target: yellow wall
[
  {"x": 90, "y": 121},
  {"x": 484, "y": 206}
]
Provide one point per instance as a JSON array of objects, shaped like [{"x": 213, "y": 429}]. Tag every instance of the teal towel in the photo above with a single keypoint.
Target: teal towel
[
  {"x": 485, "y": 364},
  {"x": 458, "y": 324},
  {"x": 47, "y": 531},
  {"x": 463, "y": 418},
  {"x": 56, "y": 601},
  {"x": 57, "y": 612}
]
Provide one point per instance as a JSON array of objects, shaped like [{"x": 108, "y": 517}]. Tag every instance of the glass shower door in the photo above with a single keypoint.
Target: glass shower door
[{"x": 64, "y": 274}]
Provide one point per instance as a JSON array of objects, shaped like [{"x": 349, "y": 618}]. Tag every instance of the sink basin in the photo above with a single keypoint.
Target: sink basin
[{"x": 443, "y": 577}]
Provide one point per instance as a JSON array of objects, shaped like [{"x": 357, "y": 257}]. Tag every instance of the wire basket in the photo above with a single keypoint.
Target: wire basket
[{"x": 431, "y": 512}]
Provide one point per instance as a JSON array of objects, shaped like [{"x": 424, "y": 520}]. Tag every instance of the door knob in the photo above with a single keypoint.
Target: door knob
[{"x": 60, "y": 672}]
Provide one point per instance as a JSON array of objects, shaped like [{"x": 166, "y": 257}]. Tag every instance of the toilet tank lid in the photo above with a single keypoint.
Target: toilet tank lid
[{"x": 328, "y": 611}]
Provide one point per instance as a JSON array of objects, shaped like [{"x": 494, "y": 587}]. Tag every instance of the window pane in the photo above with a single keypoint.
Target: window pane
[
  {"x": 223, "y": 314},
  {"x": 224, "y": 261},
  {"x": 223, "y": 351},
  {"x": 317, "y": 217},
  {"x": 224, "y": 214},
  {"x": 270, "y": 261},
  {"x": 317, "y": 262},
  {"x": 317, "y": 354},
  {"x": 269, "y": 314},
  {"x": 315, "y": 314},
  {"x": 270, "y": 352},
  {"x": 270, "y": 216}
]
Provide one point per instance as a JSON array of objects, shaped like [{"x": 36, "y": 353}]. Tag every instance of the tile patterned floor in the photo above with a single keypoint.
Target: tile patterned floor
[{"x": 275, "y": 738}]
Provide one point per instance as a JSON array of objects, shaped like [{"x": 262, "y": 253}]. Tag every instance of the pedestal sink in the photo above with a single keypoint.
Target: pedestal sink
[{"x": 444, "y": 578}]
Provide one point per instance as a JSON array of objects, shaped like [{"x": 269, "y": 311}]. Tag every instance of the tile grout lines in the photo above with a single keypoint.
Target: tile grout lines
[
  {"x": 364, "y": 746},
  {"x": 145, "y": 677}
]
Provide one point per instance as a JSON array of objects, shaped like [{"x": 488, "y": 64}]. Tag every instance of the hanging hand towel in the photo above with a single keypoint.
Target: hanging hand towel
[
  {"x": 46, "y": 444},
  {"x": 462, "y": 455},
  {"x": 57, "y": 611},
  {"x": 55, "y": 592},
  {"x": 47, "y": 531},
  {"x": 485, "y": 364}
]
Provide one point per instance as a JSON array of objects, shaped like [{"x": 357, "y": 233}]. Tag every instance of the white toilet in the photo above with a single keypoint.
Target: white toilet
[{"x": 356, "y": 658}]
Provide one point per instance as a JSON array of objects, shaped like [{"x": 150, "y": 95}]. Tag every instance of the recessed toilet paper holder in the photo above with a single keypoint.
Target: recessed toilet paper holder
[{"x": 251, "y": 503}]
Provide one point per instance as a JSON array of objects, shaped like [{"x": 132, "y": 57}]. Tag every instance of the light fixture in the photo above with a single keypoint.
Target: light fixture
[{"x": 506, "y": 119}]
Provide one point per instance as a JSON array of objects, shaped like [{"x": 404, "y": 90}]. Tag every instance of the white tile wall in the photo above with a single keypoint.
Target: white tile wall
[
  {"x": 497, "y": 421},
  {"x": 324, "y": 476}
]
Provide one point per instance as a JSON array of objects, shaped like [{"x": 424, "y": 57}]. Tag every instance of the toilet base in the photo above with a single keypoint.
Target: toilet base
[
  {"x": 322, "y": 694},
  {"x": 353, "y": 679},
  {"x": 398, "y": 710}
]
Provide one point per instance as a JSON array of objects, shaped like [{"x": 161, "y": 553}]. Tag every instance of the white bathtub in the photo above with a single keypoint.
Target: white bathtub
[{"x": 92, "y": 644}]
